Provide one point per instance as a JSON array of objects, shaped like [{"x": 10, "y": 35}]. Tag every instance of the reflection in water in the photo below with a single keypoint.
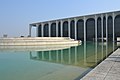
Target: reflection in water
[
  {"x": 62, "y": 64},
  {"x": 86, "y": 55}
]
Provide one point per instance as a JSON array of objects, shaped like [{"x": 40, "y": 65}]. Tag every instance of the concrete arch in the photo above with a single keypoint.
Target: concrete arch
[
  {"x": 46, "y": 30},
  {"x": 72, "y": 29},
  {"x": 99, "y": 27},
  {"x": 80, "y": 29},
  {"x": 117, "y": 26},
  {"x": 110, "y": 28},
  {"x": 65, "y": 29},
  {"x": 59, "y": 29},
  {"x": 53, "y": 30},
  {"x": 90, "y": 29},
  {"x": 39, "y": 31}
]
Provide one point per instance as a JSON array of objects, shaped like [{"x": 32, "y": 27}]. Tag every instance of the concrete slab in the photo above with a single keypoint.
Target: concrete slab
[{"x": 109, "y": 69}]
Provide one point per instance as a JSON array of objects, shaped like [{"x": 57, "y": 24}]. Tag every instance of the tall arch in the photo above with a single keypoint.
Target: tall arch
[
  {"x": 90, "y": 29},
  {"x": 46, "y": 30},
  {"x": 39, "y": 31},
  {"x": 65, "y": 29},
  {"x": 117, "y": 26},
  {"x": 53, "y": 30},
  {"x": 104, "y": 26},
  {"x": 80, "y": 30},
  {"x": 59, "y": 29},
  {"x": 110, "y": 28},
  {"x": 72, "y": 29},
  {"x": 99, "y": 28}
]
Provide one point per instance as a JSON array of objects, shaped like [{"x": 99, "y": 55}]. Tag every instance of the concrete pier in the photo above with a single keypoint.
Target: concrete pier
[
  {"x": 37, "y": 41},
  {"x": 109, "y": 69}
]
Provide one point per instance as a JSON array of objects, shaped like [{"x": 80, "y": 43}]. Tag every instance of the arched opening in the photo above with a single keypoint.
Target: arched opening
[
  {"x": 65, "y": 29},
  {"x": 39, "y": 31},
  {"x": 104, "y": 27},
  {"x": 99, "y": 28},
  {"x": 117, "y": 26},
  {"x": 110, "y": 28},
  {"x": 72, "y": 29},
  {"x": 53, "y": 30},
  {"x": 59, "y": 29},
  {"x": 80, "y": 30},
  {"x": 46, "y": 30},
  {"x": 90, "y": 29}
]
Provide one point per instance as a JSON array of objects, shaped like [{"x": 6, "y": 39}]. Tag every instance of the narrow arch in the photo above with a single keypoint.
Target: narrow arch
[
  {"x": 90, "y": 29},
  {"x": 110, "y": 28},
  {"x": 99, "y": 28},
  {"x": 39, "y": 31},
  {"x": 53, "y": 30},
  {"x": 72, "y": 29},
  {"x": 117, "y": 26},
  {"x": 104, "y": 26},
  {"x": 46, "y": 30},
  {"x": 65, "y": 29},
  {"x": 80, "y": 30},
  {"x": 59, "y": 29}
]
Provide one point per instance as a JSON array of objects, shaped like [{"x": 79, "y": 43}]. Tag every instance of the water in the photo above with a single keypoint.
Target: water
[{"x": 63, "y": 64}]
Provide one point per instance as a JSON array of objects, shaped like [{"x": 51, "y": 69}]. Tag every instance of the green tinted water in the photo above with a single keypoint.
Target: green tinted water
[{"x": 66, "y": 64}]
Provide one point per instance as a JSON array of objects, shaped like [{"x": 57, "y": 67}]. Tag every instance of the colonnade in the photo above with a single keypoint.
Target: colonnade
[
  {"x": 90, "y": 25},
  {"x": 79, "y": 55}
]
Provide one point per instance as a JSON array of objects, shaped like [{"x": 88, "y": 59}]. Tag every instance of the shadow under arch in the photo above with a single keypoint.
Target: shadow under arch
[
  {"x": 65, "y": 29},
  {"x": 117, "y": 26},
  {"x": 46, "y": 30},
  {"x": 72, "y": 29},
  {"x": 53, "y": 30},
  {"x": 80, "y": 30},
  {"x": 90, "y": 29}
]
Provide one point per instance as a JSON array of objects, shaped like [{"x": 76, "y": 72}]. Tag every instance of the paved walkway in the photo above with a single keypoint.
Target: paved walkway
[{"x": 109, "y": 69}]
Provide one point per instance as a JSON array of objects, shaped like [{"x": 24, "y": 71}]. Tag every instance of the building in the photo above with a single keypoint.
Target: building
[{"x": 86, "y": 28}]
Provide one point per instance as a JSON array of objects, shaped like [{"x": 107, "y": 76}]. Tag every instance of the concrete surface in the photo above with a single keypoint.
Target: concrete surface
[
  {"x": 37, "y": 41},
  {"x": 109, "y": 69}
]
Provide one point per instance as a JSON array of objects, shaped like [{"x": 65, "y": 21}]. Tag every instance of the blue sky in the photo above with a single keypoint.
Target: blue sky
[{"x": 16, "y": 15}]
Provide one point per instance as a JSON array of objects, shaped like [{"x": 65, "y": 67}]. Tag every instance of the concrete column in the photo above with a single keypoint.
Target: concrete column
[
  {"x": 42, "y": 32},
  {"x": 43, "y": 57},
  {"x": 96, "y": 52},
  {"x": 61, "y": 56},
  {"x": 49, "y": 23},
  {"x": 113, "y": 15},
  {"x": 106, "y": 49},
  {"x": 76, "y": 56},
  {"x": 61, "y": 28},
  {"x": 113, "y": 46},
  {"x": 57, "y": 56},
  {"x": 37, "y": 26},
  {"x": 30, "y": 27},
  {"x": 30, "y": 54},
  {"x": 50, "y": 58},
  {"x": 95, "y": 28},
  {"x": 69, "y": 61},
  {"x": 102, "y": 26},
  {"x": 102, "y": 50},
  {"x": 84, "y": 29},
  {"x": 75, "y": 29},
  {"x": 85, "y": 53},
  {"x": 69, "y": 27},
  {"x": 56, "y": 28},
  {"x": 106, "y": 27}
]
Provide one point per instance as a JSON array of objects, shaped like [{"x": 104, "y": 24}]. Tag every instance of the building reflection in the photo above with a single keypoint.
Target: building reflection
[{"x": 86, "y": 55}]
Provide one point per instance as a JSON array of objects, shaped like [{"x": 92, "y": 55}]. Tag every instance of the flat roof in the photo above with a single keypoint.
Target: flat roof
[{"x": 34, "y": 24}]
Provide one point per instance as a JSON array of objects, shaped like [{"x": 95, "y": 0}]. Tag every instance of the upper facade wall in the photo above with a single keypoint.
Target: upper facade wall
[{"x": 85, "y": 17}]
